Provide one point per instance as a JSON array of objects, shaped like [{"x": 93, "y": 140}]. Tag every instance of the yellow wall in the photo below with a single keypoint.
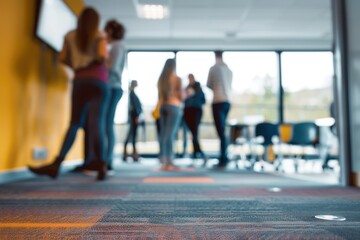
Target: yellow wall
[{"x": 34, "y": 92}]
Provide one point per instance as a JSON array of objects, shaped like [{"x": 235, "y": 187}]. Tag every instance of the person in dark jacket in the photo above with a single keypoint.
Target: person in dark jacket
[
  {"x": 135, "y": 110},
  {"x": 195, "y": 99}
]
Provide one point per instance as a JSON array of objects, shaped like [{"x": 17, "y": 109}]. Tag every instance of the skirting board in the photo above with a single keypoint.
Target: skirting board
[{"x": 24, "y": 173}]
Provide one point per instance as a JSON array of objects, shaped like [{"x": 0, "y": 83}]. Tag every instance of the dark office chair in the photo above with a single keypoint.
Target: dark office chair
[
  {"x": 239, "y": 139},
  {"x": 304, "y": 134},
  {"x": 266, "y": 134}
]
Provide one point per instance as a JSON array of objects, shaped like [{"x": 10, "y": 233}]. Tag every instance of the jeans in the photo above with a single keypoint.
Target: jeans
[
  {"x": 115, "y": 96},
  {"x": 170, "y": 117},
  {"x": 89, "y": 100},
  {"x": 220, "y": 112}
]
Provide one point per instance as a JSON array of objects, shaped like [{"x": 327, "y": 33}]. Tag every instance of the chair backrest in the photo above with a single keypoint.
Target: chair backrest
[
  {"x": 305, "y": 133},
  {"x": 285, "y": 132},
  {"x": 239, "y": 131},
  {"x": 267, "y": 131}
]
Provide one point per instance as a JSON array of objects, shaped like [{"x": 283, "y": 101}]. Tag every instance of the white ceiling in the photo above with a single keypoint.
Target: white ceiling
[{"x": 226, "y": 24}]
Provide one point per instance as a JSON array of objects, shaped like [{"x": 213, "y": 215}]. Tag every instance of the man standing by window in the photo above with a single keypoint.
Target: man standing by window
[{"x": 219, "y": 81}]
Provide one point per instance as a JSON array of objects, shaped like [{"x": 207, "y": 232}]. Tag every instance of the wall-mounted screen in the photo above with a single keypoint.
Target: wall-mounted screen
[{"x": 55, "y": 19}]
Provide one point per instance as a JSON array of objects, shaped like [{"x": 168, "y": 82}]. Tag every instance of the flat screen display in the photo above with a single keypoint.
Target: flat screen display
[{"x": 55, "y": 19}]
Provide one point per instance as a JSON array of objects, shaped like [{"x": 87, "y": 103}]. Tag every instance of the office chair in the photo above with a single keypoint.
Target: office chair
[
  {"x": 266, "y": 135},
  {"x": 238, "y": 143},
  {"x": 304, "y": 134}
]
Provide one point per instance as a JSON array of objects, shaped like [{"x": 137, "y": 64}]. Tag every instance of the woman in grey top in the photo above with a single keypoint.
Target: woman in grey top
[{"x": 117, "y": 56}]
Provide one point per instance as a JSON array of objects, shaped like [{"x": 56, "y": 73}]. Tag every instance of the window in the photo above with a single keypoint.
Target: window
[
  {"x": 307, "y": 83},
  {"x": 145, "y": 67},
  {"x": 306, "y": 77},
  {"x": 255, "y": 86}
]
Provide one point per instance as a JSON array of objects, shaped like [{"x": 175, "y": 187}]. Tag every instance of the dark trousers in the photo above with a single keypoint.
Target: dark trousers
[
  {"x": 220, "y": 112},
  {"x": 192, "y": 117},
  {"x": 89, "y": 100},
  {"x": 132, "y": 134}
]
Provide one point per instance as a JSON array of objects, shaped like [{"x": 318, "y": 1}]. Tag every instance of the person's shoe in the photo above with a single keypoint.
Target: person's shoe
[
  {"x": 125, "y": 155},
  {"x": 98, "y": 168},
  {"x": 102, "y": 171},
  {"x": 91, "y": 166},
  {"x": 204, "y": 158},
  {"x": 51, "y": 170},
  {"x": 78, "y": 169},
  {"x": 172, "y": 167},
  {"x": 110, "y": 170},
  {"x": 135, "y": 157},
  {"x": 169, "y": 167},
  {"x": 219, "y": 167}
]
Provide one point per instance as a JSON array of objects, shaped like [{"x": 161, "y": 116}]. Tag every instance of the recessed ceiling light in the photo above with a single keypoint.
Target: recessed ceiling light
[{"x": 152, "y": 9}]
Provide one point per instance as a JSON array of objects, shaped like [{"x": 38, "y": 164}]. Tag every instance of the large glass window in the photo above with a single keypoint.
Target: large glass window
[
  {"x": 145, "y": 67},
  {"x": 306, "y": 76},
  {"x": 307, "y": 82},
  {"x": 255, "y": 86},
  {"x": 197, "y": 63}
]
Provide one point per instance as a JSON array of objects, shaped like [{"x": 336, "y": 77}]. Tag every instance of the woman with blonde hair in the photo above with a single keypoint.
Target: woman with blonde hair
[
  {"x": 85, "y": 51},
  {"x": 170, "y": 97}
]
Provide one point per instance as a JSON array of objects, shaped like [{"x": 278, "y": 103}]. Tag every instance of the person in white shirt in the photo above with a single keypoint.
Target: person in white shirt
[{"x": 219, "y": 81}]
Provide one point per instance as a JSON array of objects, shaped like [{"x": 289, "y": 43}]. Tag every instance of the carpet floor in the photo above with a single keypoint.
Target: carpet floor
[{"x": 140, "y": 202}]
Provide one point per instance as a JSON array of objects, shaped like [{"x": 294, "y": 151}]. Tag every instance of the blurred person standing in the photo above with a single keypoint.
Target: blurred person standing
[
  {"x": 219, "y": 81},
  {"x": 194, "y": 101},
  {"x": 115, "y": 63},
  {"x": 85, "y": 51},
  {"x": 135, "y": 111},
  {"x": 115, "y": 32},
  {"x": 170, "y": 97}
]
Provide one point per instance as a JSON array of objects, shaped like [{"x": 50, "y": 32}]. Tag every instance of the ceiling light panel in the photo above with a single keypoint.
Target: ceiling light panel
[{"x": 152, "y": 9}]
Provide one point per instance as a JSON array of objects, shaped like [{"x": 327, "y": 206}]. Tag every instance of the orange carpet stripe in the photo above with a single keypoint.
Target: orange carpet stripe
[
  {"x": 45, "y": 225},
  {"x": 178, "y": 180}
]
